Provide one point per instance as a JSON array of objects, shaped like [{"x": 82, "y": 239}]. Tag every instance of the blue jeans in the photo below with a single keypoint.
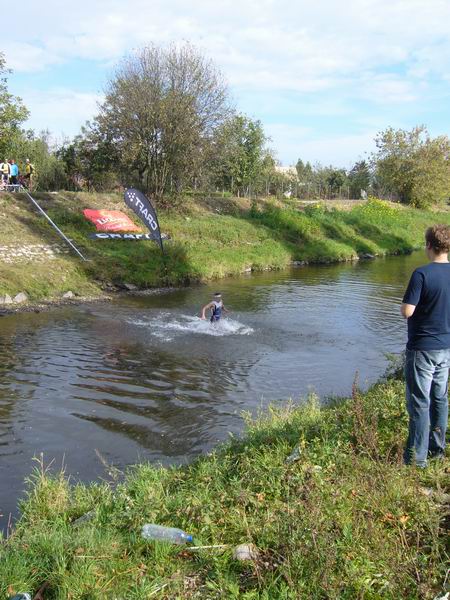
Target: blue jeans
[{"x": 426, "y": 374}]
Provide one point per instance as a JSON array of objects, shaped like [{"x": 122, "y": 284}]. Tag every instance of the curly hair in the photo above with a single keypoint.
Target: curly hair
[{"x": 438, "y": 238}]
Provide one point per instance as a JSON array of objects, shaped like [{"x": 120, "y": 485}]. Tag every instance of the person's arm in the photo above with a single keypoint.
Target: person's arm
[
  {"x": 407, "y": 310},
  {"x": 205, "y": 308},
  {"x": 412, "y": 295}
]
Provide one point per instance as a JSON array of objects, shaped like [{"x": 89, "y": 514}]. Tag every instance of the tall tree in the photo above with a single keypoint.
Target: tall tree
[
  {"x": 359, "y": 178},
  {"x": 413, "y": 165},
  {"x": 161, "y": 110},
  {"x": 305, "y": 172},
  {"x": 336, "y": 179},
  {"x": 240, "y": 153},
  {"x": 12, "y": 111}
]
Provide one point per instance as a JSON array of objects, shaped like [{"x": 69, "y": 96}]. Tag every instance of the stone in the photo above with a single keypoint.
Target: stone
[
  {"x": 20, "y": 298},
  {"x": 245, "y": 552},
  {"x": 6, "y": 299},
  {"x": 130, "y": 287},
  {"x": 367, "y": 255},
  {"x": 68, "y": 295}
]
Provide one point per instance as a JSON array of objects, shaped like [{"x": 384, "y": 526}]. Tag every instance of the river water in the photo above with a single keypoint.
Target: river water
[{"x": 143, "y": 378}]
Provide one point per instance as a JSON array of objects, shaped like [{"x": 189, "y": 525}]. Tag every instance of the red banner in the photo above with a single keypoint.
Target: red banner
[{"x": 110, "y": 220}]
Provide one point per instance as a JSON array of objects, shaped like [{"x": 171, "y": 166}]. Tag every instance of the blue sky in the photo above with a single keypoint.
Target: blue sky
[{"x": 323, "y": 77}]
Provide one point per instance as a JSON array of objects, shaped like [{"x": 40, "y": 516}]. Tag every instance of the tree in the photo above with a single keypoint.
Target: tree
[
  {"x": 239, "y": 157},
  {"x": 359, "y": 178},
  {"x": 336, "y": 179},
  {"x": 12, "y": 111},
  {"x": 413, "y": 165},
  {"x": 304, "y": 172},
  {"x": 160, "y": 113},
  {"x": 90, "y": 160}
]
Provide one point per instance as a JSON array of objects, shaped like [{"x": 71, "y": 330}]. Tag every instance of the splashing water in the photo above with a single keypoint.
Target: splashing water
[{"x": 165, "y": 326}]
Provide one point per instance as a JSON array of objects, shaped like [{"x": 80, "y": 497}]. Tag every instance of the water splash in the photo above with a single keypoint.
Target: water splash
[{"x": 166, "y": 326}]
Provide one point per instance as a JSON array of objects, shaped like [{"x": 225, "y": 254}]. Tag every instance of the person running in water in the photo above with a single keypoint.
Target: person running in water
[{"x": 216, "y": 307}]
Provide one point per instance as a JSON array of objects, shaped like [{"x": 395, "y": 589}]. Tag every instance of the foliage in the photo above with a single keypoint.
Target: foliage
[
  {"x": 161, "y": 109},
  {"x": 90, "y": 161},
  {"x": 343, "y": 520},
  {"x": 12, "y": 112},
  {"x": 336, "y": 179},
  {"x": 20, "y": 144},
  {"x": 359, "y": 178},
  {"x": 49, "y": 170},
  {"x": 320, "y": 181},
  {"x": 239, "y": 158},
  {"x": 413, "y": 165},
  {"x": 304, "y": 171}
]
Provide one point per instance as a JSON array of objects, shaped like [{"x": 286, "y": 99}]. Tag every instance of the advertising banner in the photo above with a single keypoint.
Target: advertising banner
[
  {"x": 110, "y": 220},
  {"x": 144, "y": 209},
  {"x": 125, "y": 236}
]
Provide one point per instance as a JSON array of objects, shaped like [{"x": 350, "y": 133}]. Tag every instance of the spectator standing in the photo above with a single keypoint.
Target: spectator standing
[
  {"x": 4, "y": 172},
  {"x": 29, "y": 174},
  {"x": 13, "y": 173},
  {"x": 426, "y": 305}
]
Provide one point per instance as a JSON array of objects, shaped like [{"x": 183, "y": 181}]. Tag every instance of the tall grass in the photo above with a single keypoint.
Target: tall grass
[
  {"x": 204, "y": 244},
  {"x": 345, "y": 520}
]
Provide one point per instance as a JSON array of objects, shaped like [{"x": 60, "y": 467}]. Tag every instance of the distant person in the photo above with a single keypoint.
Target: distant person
[
  {"x": 216, "y": 307},
  {"x": 4, "y": 172},
  {"x": 13, "y": 173},
  {"x": 29, "y": 174},
  {"x": 426, "y": 305}
]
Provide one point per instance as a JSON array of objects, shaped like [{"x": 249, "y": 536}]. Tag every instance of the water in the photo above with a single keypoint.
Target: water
[{"x": 145, "y": 378}]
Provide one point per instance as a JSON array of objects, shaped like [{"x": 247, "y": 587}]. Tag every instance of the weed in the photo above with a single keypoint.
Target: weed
[
  {"x": 345, "y": 520},
  {"x": 211, "y": 238}
]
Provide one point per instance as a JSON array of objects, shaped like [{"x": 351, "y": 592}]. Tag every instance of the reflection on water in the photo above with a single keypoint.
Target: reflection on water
[{"x": 146, "y": 378}]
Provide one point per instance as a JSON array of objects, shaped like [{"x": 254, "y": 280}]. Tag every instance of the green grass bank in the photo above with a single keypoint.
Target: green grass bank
[
  {"x": 344, "y": 520},
  {"x": 209, "y": 239}
]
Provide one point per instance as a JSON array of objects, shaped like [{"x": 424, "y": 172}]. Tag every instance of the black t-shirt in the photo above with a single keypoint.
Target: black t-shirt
[{"x": 429, "y": 291}]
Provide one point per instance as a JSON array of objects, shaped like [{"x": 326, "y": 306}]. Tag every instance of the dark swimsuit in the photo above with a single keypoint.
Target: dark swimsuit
[{"x": 216, "y": 312}]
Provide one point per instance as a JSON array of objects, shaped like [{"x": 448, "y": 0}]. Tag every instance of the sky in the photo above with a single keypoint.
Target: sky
[{"x": 322, "y": 76}]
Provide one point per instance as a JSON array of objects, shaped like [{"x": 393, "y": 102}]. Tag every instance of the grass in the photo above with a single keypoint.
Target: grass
[
  {"x": 346, "y": 520},
  {"x": 209, "y": 239}
]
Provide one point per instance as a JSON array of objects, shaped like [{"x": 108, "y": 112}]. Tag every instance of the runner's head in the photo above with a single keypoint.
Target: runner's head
[{"x": 217, "y": 296}]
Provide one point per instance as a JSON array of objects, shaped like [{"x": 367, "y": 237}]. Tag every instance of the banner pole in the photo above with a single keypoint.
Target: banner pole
[
  {"x": 42, "y": 211},
  {"x": 166, "y": 272}
]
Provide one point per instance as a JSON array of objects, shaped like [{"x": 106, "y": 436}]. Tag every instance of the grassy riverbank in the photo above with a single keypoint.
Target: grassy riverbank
[
  {"x": 209, "y": 239},
  {"x": 345, "y": 520}
]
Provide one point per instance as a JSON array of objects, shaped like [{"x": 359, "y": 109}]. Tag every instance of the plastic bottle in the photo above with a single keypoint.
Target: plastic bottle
[
  {"x": 150, "y": 531},
  {"x": 21, "y": 596},
  {"x": 295, "y": 455}
]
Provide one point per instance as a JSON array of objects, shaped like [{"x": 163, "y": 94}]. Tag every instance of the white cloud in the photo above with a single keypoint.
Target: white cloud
[
  {"x": 26, "y": 57},
  {"x": 388, "y": 89},
  {"x": 329, "y": 56},
  {"x": 302, "y": 40},
  {"x": 66, "y": 109}
]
